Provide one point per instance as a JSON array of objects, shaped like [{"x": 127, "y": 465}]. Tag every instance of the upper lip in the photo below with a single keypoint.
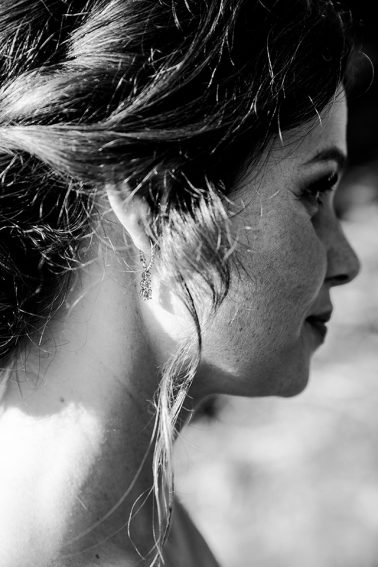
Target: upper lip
[{"x": 323, "y": 316}]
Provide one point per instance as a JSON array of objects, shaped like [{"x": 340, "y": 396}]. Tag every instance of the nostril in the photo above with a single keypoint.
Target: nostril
[
  {"x": 343, "y": 263},
  {"x": 345, "y": 276},
  {"x": 340, "y": 279}
]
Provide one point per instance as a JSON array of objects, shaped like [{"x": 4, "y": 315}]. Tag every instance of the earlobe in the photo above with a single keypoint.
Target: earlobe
[{"x": 132, "y": 211}]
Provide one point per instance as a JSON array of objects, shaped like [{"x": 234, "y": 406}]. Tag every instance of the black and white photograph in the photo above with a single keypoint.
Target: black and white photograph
[{"x": 188, "y": 283}]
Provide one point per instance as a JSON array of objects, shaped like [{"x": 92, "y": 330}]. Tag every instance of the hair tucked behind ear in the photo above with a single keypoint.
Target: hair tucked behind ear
[{"x": 173, "y": 97}]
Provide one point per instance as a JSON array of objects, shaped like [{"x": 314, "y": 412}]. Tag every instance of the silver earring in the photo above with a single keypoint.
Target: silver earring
[{"x": 145, "y": 282}]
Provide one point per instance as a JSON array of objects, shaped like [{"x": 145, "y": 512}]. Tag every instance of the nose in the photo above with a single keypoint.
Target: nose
[{"x": 343, "y": 262}]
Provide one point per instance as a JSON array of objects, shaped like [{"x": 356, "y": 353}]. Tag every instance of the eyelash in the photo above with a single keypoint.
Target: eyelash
[{"x": 315, "y": 191}]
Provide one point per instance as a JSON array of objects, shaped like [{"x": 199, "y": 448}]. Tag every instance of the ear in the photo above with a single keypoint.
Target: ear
[{"x": 132, "y": 211}]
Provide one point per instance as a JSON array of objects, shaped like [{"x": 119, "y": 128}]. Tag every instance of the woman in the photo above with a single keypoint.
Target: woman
[{"x": 167, "y": 176}]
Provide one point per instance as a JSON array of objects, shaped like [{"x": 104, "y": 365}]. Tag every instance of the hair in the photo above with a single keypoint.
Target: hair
[{"x": 172, "y": 96}]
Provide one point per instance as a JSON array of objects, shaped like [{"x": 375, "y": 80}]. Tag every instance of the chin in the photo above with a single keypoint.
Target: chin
[
  {"x": 294, "y": 382},
  {"x": 283, "y": 379},
  {"x": 294, "y": 389}
]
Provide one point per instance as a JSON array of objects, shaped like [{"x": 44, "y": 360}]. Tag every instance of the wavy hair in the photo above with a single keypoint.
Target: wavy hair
[{"x": 171, "y": 95}]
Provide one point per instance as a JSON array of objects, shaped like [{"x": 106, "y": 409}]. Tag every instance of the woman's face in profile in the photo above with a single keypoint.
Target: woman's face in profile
[{"x": 293, "y": 252}]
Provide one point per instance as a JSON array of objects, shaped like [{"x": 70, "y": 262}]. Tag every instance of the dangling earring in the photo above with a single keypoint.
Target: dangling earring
[{"x": 145, "y": 282}]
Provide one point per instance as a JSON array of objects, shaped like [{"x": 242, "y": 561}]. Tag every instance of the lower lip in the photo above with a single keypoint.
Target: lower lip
[{"x": 318, "y": 327}]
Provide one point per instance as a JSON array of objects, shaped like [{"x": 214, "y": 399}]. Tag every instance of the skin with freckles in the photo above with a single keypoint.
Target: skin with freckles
[{"x": 292, "y": 251}]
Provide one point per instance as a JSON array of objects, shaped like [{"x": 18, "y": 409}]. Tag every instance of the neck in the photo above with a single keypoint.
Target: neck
[{"x": 81, "y": 421}]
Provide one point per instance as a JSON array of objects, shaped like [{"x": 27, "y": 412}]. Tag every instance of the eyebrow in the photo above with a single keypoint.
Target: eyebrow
[{"x": 329, "y": 154}]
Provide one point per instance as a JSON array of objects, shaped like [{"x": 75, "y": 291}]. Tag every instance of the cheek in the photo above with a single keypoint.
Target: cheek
[
  {"x": 285, "y": 266},
  {"x": 270, "y": 297}
]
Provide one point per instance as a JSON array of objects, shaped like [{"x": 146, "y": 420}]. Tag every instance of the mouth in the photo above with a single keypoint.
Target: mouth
[{"x": 319, "y": 322}]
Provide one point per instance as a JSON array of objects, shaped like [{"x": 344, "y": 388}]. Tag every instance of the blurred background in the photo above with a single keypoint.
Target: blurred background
[{"x": 294, "y": 482}]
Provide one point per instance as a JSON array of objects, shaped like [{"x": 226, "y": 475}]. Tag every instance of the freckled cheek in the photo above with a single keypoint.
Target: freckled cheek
[
  {"x": 272, "y": 295},
  {"x": 301, "y": 268},
  {"x": 287, "y": 271}
]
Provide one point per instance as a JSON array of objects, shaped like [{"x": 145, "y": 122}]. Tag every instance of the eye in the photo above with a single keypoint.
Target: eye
[{"x": 313, "y": 193}]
